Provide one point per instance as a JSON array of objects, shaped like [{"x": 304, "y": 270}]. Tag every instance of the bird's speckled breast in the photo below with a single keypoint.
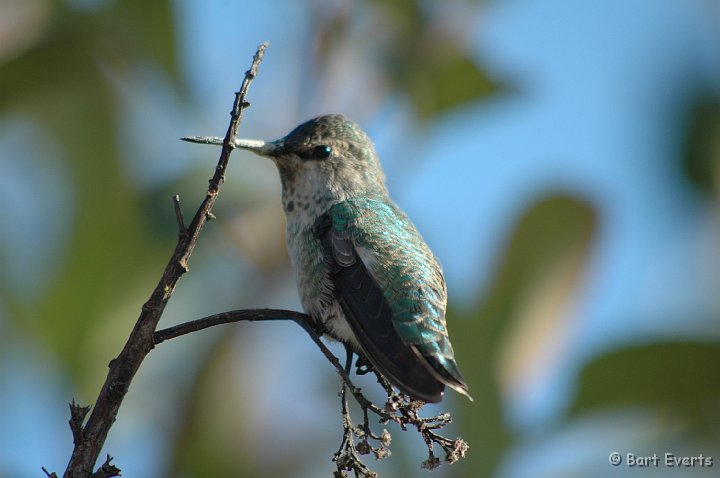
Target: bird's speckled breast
[{"x": 313, "y": 279}]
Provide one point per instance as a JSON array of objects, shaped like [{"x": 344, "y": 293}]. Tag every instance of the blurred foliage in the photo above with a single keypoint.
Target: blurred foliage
[
  {"x": 701, "y": 162},
  {"x": 207, "y": 442},
  {"x": 62, "y": 82},
  {"x": 444, "y": 76},
  {"x": 556, "y": 233},
  {"x": 681, "y": 377}
]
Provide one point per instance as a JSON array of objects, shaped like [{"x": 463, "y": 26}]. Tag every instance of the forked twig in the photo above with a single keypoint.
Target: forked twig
[{"x": 399, "y": 408}]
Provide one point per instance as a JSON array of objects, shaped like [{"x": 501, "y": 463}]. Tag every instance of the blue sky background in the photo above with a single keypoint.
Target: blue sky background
[{"x": 598, "y": 91}]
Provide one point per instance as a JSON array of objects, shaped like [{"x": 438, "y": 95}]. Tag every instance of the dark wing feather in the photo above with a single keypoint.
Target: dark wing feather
[{"x": 370, "y": 318}]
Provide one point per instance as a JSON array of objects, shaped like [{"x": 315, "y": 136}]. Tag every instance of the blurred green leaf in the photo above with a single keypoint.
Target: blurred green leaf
[
  {"x": 420, "y": 54},
  {"x": 683, "y": 377},
  {"x": 147, "y": 31},
  {"x": 426, "y": 63},
  {"x": 444, "y": 82},
  {"x": 556, "y": 229},
  {"x": 701, "y": 159}
]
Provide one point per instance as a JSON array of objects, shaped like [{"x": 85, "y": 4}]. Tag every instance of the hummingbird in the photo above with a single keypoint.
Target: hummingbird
[{"x": 364, "y": 273}]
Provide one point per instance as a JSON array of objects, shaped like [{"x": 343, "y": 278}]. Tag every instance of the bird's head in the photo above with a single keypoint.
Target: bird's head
[{"x": 326, "y": 159}]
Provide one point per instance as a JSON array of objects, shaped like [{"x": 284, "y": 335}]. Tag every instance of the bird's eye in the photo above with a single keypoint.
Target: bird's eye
[{"x": 322, "y": 151}]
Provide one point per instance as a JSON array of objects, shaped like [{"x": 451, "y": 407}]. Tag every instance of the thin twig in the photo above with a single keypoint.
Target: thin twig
[
  {"x": 123, "y": 368},
  {"x": 182, "y": 229},
  {"x": 399, "y": 408},
  {"x": 346, "y": 458},
  {"x": 48, "y": 473},
  {"x": 77, "y": 418},
  {"x": 107, "y": 470},
  {"x": 244, "y": 315},
  {"x": 259, "y": 315}
]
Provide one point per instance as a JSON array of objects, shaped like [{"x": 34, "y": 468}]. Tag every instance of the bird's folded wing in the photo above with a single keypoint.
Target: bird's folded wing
[{"x": 370, "y": 316}]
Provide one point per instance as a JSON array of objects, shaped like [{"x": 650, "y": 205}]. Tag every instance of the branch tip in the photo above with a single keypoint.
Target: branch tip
[
  {"x": 77, "y": 418},
  {"x": 107, "y": 470},
  {"x": 182, "y": 230},
  {"x": 49, "y": 474},
  {"x": 203, "y": 140}
]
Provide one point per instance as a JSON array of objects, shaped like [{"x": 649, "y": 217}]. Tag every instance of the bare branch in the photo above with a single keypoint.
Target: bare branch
[
  {"x": 90, "y": 439},
  {"x": 247, "y": 315},
  {"x": 258, "y": 315}
]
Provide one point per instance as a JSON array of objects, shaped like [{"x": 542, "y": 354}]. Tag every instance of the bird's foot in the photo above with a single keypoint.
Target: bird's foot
[{"x": 362, "y": 366}]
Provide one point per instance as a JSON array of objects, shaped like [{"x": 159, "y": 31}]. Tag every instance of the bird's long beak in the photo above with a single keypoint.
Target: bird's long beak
[{"x": 257, "y": 146}]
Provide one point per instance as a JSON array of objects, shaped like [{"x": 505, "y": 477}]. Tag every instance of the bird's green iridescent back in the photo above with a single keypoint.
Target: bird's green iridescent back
[{"x": 405, "y": 269}]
